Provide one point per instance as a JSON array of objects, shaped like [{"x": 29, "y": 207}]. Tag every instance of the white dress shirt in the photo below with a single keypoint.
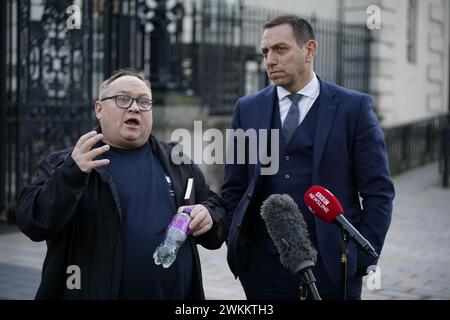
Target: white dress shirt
[{"x": 310, "y": 93}]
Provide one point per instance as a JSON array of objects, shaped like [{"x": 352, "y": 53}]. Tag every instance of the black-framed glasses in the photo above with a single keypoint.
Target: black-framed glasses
[{"x": 124, "y": 102}]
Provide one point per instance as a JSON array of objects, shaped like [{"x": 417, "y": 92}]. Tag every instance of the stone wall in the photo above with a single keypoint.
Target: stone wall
[{"x": 405, "y": 91}]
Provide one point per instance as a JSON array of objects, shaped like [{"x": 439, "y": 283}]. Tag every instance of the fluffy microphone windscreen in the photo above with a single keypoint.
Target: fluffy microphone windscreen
[{"x": 288, "y": 230}]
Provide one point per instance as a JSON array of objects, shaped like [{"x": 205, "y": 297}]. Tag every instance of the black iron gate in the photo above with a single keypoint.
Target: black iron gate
[
  {"x": 3, "y": 30},
  {"x": 48, "y": 87}
]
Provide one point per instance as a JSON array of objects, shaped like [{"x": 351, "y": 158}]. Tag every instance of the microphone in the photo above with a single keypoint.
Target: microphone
[
  {"x": 326, "y": 206},
  {"x": 289, "y": 232}
]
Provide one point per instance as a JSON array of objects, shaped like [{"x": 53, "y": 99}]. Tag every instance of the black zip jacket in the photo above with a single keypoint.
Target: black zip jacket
[{"x": 79, "y": 216}]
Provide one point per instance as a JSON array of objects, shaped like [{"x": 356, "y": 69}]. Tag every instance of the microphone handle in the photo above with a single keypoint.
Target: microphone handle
[
  {"x": 307, "y": 278},
  {"x": 355, "y": 235}
]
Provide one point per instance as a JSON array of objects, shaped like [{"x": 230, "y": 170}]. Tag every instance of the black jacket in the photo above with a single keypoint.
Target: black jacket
[{"x": 79, "y": 216}]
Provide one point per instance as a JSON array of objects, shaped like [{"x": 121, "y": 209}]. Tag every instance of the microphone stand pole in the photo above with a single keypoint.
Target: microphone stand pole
[
  {"x": 308, "y": 282},
  {"x": 344, "y": 254}
]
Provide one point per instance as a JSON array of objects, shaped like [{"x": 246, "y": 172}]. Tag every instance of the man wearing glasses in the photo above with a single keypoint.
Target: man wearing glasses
[{"x": 103, "y": 207}]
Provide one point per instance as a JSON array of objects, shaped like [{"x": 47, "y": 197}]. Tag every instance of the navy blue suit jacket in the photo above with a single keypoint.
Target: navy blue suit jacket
[{"x": 349, "y": 159}]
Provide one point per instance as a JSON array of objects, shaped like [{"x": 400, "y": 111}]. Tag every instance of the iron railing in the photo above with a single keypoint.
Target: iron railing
[
  {"x": 228, "y": 64},
  {"x": 415, "y": 144},
  {"x": 444, "y": 156}
]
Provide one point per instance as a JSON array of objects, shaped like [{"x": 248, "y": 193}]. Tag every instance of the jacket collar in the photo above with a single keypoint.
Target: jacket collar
[
  {"x": 327, "y": 112},
  {"x": 265, "y": 114}
]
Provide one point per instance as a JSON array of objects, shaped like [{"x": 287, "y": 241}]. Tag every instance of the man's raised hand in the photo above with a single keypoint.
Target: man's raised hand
[{"x": 84, "y": 156}]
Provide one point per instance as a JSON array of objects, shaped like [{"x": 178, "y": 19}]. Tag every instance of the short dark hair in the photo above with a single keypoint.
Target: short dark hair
[
  {"x": 303, "y": 30},
  {"x": 121, "y": 73}
]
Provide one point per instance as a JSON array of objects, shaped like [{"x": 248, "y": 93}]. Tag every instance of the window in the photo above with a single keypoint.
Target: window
[{"x": 411, "y": 33}]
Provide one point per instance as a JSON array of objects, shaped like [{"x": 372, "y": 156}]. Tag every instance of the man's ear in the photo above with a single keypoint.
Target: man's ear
[
  {"x": 98, "y": 109},
  {"x": 311, "y": 48}
]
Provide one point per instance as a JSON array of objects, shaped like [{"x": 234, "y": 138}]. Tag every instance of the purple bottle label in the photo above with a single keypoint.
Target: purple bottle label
[{"x": 180, "y": 222}]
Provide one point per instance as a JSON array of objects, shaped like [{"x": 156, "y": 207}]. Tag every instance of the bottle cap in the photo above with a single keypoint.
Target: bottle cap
[{"x": 187, "y": 210}]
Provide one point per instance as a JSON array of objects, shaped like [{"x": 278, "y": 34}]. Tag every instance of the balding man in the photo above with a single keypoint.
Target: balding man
[{"x": 103, "y": 207}]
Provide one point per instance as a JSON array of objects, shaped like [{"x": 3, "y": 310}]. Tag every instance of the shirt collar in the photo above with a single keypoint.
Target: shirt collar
[{"x": 309, "y": 90}]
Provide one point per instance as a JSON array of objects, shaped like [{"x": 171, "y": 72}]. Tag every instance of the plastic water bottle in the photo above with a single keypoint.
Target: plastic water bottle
[{"x": 175, "y": 235}]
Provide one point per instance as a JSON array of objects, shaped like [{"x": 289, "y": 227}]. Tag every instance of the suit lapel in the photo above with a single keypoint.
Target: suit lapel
[
  {"x": 265, "y": 114},
  {"x": 265, "y": 110},
  {"x": 325, "y": 119}
]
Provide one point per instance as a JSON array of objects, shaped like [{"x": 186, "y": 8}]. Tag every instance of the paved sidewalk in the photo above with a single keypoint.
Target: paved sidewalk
[
  {"x": 20, "y": 265},
  {"x": 415, "y": 263}
]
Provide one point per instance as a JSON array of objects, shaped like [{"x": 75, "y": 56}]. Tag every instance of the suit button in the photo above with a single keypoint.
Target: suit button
[
  {"x": 287, "y": 176},
  {"x": 238, "y": 226},
  {"x": 287, "y": 158},
  {"x": 249, "y": 196}
]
